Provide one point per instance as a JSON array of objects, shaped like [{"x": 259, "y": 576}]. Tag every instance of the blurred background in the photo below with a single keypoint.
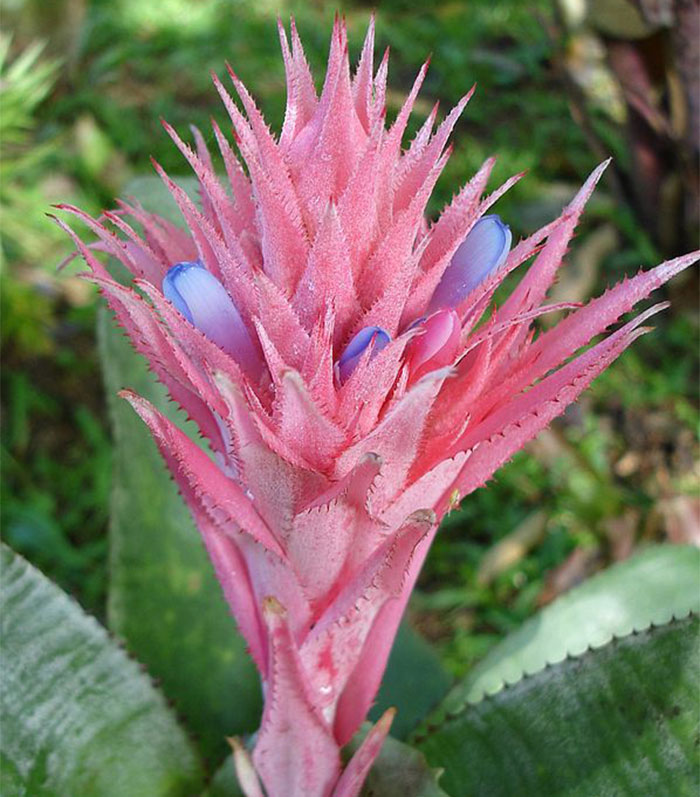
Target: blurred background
[{"x": 560, "y": 86}]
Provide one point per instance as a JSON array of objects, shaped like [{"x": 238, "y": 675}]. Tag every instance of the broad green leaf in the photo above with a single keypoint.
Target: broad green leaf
[
  {"x": 164, "y": 599},
  {"x": 414, "y": 682},
  {"x": 78, "y": 716},
  {"x": 618, "y": 720},
  {"x": 399, "y": 771},
  {"x": 651, "y": 587}
]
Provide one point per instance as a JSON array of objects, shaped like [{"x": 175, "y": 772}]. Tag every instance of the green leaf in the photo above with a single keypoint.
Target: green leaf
[
  {"x": 164, "y": 599},
  {"x": 652, "y": 587},
  {"x": 414, "y": 682},
  {"x": 79, "y": 716},
  {"x": 618, "y": 720},
  {"x": 224, "y": 783}
]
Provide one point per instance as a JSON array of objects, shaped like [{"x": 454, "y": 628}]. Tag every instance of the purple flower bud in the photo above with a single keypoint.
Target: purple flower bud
[
  {"x": 481, "y": 252},
  {"x": 205, "y": 303},
  {"x": 376, "y": 337}
]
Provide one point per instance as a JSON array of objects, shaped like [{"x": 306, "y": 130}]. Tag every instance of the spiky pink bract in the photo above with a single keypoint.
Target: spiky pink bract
[{"x": 326, "y": 488}]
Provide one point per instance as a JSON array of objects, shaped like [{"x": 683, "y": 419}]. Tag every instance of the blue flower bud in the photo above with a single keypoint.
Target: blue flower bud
[
  {"x": 482, "y": 252},
  {"x": 206, "y": 304},
  {"x": 376, "y": 337}
]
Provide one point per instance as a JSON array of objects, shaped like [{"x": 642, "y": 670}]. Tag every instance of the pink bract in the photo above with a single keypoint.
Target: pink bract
[{"x": 323, "y": 496}]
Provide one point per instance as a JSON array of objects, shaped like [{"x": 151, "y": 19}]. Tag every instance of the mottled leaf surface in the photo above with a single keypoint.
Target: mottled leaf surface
[
  {"x": 618, "y": 720},
  {"x": 651, "y": 587},
  {"x": 78, "y": 716}
]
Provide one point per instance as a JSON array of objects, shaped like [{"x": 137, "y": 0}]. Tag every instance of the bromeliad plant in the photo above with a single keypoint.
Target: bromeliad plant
[{"x": 343, "y": 359}]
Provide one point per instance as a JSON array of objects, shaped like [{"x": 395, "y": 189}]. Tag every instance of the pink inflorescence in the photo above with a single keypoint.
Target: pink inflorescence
[{"x": 343, "y": 357}]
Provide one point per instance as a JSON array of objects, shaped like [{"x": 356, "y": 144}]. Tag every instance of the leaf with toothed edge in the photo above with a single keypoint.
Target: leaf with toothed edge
[
  {"x": 617, "y": 720},
  {"x": 79, "y": 717},
  {"x": 652, "y": 587}
]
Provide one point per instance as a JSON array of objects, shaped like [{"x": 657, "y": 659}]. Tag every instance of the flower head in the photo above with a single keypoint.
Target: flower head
[{"x": 325, "y": 337}]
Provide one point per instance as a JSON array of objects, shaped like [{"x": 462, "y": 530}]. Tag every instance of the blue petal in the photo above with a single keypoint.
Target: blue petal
[
  {"x": 376, "y": 337},
  {"x": 205, "y": 303},
  {"x": 482, "y": 252},
  {"x": 170, "y": 290}
]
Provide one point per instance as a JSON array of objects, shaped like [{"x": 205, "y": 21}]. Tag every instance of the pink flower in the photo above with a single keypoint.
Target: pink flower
[{"x": 324, "y": 336}]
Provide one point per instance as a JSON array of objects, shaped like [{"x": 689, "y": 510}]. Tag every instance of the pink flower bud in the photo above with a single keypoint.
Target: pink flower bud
[{"x": 436, "y": 346}]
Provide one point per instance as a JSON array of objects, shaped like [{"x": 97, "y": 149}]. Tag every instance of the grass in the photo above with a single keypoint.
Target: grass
[{"x": 90, "y": 122}]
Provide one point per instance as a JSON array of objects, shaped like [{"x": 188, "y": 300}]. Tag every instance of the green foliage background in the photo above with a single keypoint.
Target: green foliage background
[{"x": 80, "y": 119}]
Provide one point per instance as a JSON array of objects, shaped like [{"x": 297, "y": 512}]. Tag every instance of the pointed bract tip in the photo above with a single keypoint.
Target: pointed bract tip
[
  {"x": 272, "y": 609},
  {"x": 293, "y": 376},
  {"x": 385, "y": 721},
  {"x": 141, "y": 406},
  {"x": 235, "y": 743},
  {"x": 596, "y": 174},
  {"x": 463, "y": 101},
  {"x": 245, "y": 771},
  {"x": 670, "y": 268},
  {"x": 375, "y": 459},
  {"x": 351, "y": 780},
  {"x": 575, "y": 207},
  {"x": 600, "y": 168},
  {"x": 237, "y": 82},
  {"x": 129, "y": 395}
]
